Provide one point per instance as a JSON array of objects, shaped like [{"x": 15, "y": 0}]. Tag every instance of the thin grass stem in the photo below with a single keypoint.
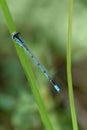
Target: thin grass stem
[
  {"x": 27, "y": 68},
  {"x": 69, "y": 75}
]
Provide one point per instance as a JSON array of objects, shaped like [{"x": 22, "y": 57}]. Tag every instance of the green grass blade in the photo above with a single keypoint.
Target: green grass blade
[
  {"x": 27, "y": 69},
  {"x": 69, "y": 75}
]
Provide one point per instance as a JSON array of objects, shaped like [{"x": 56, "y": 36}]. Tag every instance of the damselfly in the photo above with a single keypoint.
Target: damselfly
[{"x": 20, "y": 42}]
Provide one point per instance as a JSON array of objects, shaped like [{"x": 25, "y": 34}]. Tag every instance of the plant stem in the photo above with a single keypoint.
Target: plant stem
[
  {"x": 69, "y": 75},
  {"x": 27, "y": 69}
]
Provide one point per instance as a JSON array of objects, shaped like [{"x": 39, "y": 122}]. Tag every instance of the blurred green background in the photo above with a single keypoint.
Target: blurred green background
[{"x": 43, "y": 25}]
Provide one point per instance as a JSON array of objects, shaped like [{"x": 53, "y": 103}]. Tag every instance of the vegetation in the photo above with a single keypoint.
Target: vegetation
[{"x": 43, "y": 24}]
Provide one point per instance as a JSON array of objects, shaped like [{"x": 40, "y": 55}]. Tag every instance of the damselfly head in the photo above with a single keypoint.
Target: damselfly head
[{"x": 15, "y": 35}]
